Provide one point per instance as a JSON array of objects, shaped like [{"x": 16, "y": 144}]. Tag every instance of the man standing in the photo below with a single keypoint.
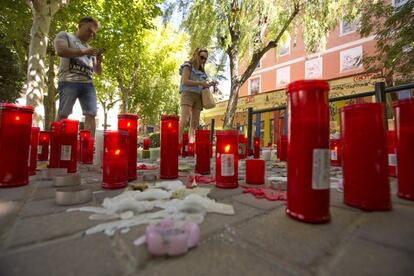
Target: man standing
[{"x": 77, "y": 63}]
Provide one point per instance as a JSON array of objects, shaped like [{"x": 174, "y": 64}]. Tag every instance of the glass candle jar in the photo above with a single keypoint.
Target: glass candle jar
[
  {"x": 364, "y": 156},
  {"x": 184, "y": 144},
  {"x": 308, "y": 151},
  {"x": 33, "y": 150},
  {"x": 146, "y": 143},
  {"x": 336, "y": 152},
  {"x": 43, "y": 148},
  {"x": 392, "y": 157},
  {"x": 169, "y": 147},
  {"x": 256, "y": 147},
  {"x": 227, "y": 159},
  {"x": 68, "y": 143},
  {"x": 129, "y": 123},
  {"x": 15, "y": 134},
  {"x": 203, "y": 148},
  {"x": 115, "y": 159},
  {"x": 190, "y": 149},
  {"x": 242, "y": 147},
  {"x": 98, "y": 152},
  {"x": 404, "y": 127},
  {"x": 255, "y": 171}
]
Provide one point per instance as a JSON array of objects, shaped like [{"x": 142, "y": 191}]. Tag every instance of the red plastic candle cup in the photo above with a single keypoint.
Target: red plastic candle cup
[
  {"x": 169, "y": 146},
  {"x": 184, "y": 145},
  {"x": 364, "y": 156},
  {"x": 115, "y": 159},
  {"x": 256, "y": 147},
  {"x": 282, "y": 148},
  {"x": 86, "y": 150},
  {"x": 246, "y": 147},
  {"x": 308, "y": 148},
  {"x": 83, "y": 143},
  {"x": 227, "y": 159},
  {"x": 54, "y": 136},
  {"x": 129, "y": 123},
  {"x": 15, "y": 134},
  {"x": 68, "y": 143},
  {"x": 242, "y": 147},
  {"x": 190, "y": 149},
  {"x": 43, "y": 148},
  {"x": 255, "y": 171},
  {"x": 203, "y": 147},
  {"x": 33, "y": 150},
  {"x": 404, "y": 127},
  {"x": 336, "y": 152},
  {"x": 146, "y": 142},
  {"x": 392, "y": 157}
]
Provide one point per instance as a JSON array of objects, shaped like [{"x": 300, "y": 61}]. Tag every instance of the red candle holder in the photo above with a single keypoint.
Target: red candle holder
[
  {"x": 33, "y": 150},
  {"x": 129, "y": 123},
  {"x": 190, "y": 149},
  {"x": 203, "y": 154},
  {"x": 242, "y": 147},
  {"x": 54, "y": 135},
  {"x": 226, "y": 159},
  {"x": 392, "y": 157},
  {"x": 404, "y": 127},
  {"x": 256, "y": 147},
  {"x": 255, "y": 171},
  {"x": 282, "y": 148},
  {"x": 43, "y": 148},
  {"x": 169, "y": 146},
  {"x": 335, "y": 147},
  {"x": 115, "y": 159},
  {"x": 15, "y": 134},
  {"x": 184, "y": 145},
  {"x": 147, "y": 143},
  {"x": 246, "y": 147},
  {"x": 364, "y": 156},
  {"x": 68, "y": 142},
  {"x": 308, "y": 151}
]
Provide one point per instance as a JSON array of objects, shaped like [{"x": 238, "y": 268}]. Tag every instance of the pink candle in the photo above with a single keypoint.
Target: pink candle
[
  {"x": 255, "y": 171},
  {"x": 115, "y": 159}
]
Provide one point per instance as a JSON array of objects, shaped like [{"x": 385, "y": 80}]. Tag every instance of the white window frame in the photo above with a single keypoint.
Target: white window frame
[
  {"x": 342, "y": 55},
  {"x": 277, "y": 79},
  {"x": 288, "y": 42},
  {"x": 320, "y": 59},
  {"x": 249, "y": 91},
  {"x": 341, "y": 27}
]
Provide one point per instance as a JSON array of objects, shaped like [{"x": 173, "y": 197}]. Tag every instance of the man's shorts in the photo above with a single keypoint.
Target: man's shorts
[
  {"x": 70, "y": 91},
  {"x": 192, "y": 99}
]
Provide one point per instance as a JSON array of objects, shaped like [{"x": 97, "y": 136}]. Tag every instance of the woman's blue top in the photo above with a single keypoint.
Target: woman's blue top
[{"x": 195, "y": 75}]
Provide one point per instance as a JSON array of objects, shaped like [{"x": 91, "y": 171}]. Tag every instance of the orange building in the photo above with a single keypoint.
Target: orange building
[{"x": 340, "y": 64}]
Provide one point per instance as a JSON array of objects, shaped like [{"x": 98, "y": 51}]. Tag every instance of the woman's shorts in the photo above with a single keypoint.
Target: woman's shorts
[{"x": 192, "y": 99}]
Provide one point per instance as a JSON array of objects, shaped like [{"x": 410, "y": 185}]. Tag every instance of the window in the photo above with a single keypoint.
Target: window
[
  {"x": 282, "y": 76},
  {"x": 254, "y": 86},
  {"x": 398, "y": 3},
  {"x": 284, "y": 48},
  {"x": 348, "y": 27},
  {"x": 351, "y": 59},
  {"x": 313, "y": 68}
]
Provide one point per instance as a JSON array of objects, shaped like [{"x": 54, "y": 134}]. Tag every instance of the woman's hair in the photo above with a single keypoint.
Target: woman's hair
[{"x": 195, "y": 59}]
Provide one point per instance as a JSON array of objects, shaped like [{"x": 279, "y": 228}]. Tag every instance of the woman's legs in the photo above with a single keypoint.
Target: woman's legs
[
  {"x": 185, "y": 117},
  {"x": 194, "y": 123}
]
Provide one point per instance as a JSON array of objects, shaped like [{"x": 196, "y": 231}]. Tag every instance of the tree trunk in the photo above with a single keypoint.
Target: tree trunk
[
  {"x": 50, "y": 98},
  {"x": 234, "y": 90}
]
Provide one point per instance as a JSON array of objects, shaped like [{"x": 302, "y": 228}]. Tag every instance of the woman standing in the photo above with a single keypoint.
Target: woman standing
[{"x": 193, "y": 82}]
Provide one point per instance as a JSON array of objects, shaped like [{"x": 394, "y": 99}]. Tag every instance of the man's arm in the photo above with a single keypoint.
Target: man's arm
[
  {"x": 97, "y": 67},
  {"x": 62, "y": 49}
]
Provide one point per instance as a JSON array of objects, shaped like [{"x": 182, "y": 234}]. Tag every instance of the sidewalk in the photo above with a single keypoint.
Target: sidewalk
[{"x": 38, "y": 237}]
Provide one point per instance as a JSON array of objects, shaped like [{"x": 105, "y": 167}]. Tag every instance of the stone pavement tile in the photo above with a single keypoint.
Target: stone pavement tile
[
  {"x": 44, "y": 190},
  {"x": 218, "y": 193},
  {"x": 296, "y": 242},
  {"x": 87, "y": 255},
  {"x": 140, "y": 253},
  {"x": 8, "y": 212},
  {"x": 360, "y": 257},
  {"x": 42, "y": 228},
  {"x": 394, "y": 228},
  {"x": 16, "y": 193},
  {"x": 100, "y": 195},
  {"x": 215, "y": 257},
  {"x": 261, "y": 203}
]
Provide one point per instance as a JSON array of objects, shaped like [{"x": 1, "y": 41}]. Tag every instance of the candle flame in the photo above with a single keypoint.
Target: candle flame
[
  {"x": 129, "y": 124},
  {"x": 169, "y": 125},
  {"x": 227, "y": 148},
  {"x": 117, "y": 152},
  {"x": 17, "y": 118},
  {"x": 336, "y": 148}
]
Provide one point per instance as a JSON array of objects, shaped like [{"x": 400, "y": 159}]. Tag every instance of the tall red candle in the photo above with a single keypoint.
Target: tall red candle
[
  {"x": 54, "y": 136},
  {"x": 190, "y": 149},
  {"x": 242, "y": 147},
  {"x": 404, "y": 127},
  {"x": 68, "y": 142},
  {"x": 203, "y": 147},
  {"x": 364, "y": 156},
  {"x": 43, "y": 148},
  {"x": 282, "y": 148},
  {"x": 308, "y": 148},
  {"x": 146, "y": 143},
  {"x": 227, "y": 158},
  {"x": 169, "y": 146},
  {"x": 115, "y": 159},
  {"x": 255, "y": 171},
  {"x": 33, "y": 150},
  {"x": 256, "y": 147},
  {"x": 184, "y": 146},
  {"x": 15, "y": 134},
  {"x": 392, "y": 158},
  {"x": 129, "y": 123},
  {"x": 335, "y": 147}
]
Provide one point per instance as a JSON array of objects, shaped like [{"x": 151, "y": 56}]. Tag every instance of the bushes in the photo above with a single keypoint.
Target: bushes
[{"x": 155, "y": 140}]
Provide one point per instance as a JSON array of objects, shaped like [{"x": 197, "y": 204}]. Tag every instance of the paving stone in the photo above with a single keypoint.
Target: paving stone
[
  {"x": 261, "y": 203},
  {"x": 218, "y": 193},
  {"x": 8, "y": 213},
  {"x": 360, "y": 257},
  {"x": 87, "y": 255},
  {"x": 140, "y": 253},
  {"x": 216, "y": 257},
  {"x": 42, "y": 228},
  {"x": 16, "y": 193},
  {"x": 294, "y": 241}
]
